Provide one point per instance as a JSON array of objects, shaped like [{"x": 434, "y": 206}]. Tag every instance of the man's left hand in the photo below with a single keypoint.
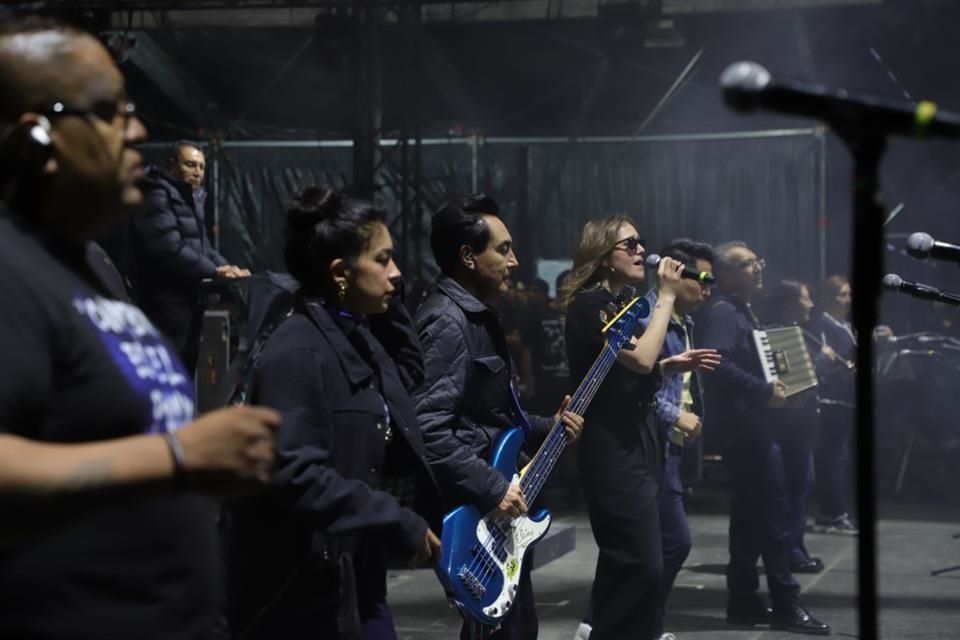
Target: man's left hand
[{"x": 572, "y": 423}]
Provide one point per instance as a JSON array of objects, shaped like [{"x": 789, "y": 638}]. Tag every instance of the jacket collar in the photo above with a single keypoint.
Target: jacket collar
[
  {"x": 463, "y": 298},
  {"x": 358, "y": 371},
  {"x": 738, "y": 302},
  {"x": 653, "y": 295},
  {"x": 732, "y": 298},
  {"x": 160, "y": 175}
]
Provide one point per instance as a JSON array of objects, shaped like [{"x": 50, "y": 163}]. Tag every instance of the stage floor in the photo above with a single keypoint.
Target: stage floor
[{"x": 913, "y": 541}]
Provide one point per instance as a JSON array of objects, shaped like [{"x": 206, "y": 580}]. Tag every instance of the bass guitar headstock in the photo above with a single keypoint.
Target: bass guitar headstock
[{"x": 624, "y": 315}]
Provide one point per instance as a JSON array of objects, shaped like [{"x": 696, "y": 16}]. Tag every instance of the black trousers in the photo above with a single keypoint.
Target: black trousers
[
  {"x": 835, "y": 475},
  {"x": 674, "y": 528},
  {"x": 520, "y": 624},
  {"x": 795, "y": 433},
  {"x": 308, "y": 607},
  {"x": 759, "y": 525},
  {"x": 619, "y": 468}
]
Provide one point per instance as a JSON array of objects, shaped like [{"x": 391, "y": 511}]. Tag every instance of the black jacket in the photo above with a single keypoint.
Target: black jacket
[
  {"x": 467, "y": 399},
  {"x": 736, "y": 392},
  {"x": 317, "y": 541},
  {"x": 837, "y": 382},
  {"x": 173, "y": 251}
]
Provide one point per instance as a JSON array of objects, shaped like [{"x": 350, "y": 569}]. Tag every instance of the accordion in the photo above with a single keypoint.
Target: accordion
[{"x": 784, "y": 356}]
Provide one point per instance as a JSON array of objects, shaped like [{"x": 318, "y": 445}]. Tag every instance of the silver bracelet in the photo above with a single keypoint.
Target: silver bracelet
[{"x": 179, "y": 459}]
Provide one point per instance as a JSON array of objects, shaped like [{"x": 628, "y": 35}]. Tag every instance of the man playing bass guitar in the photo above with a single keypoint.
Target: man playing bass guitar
[{"x": 467, "y": 399}]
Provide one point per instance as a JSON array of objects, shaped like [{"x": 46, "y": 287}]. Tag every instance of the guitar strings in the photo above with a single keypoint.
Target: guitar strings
[
  {"x": 486, "y": 568},
  {"x": 483, "y": 567}
]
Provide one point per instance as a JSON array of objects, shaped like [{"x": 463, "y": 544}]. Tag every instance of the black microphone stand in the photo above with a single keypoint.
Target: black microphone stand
[
  {"x": 863, "y": 125},
  {"x": 867, "y": 147}
]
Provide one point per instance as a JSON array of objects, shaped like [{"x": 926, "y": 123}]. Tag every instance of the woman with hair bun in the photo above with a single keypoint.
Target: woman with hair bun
[{"x": 308, "y": 559}]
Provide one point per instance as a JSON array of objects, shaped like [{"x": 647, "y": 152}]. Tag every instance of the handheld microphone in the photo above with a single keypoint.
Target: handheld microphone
[
  {"x": 747, "y": 86},
  {"x": 922, "y": 245},
  {"x": 653, "y": 261},
  {"x": 893, "y": 282}
]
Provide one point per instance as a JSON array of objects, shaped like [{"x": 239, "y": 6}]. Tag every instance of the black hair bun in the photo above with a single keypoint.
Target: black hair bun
[{"x": 313, "y": 205}]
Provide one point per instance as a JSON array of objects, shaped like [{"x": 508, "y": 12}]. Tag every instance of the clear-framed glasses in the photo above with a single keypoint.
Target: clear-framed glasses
[
  {"x": 632, "y": 245},
  {"x": 759, "y": 263}
]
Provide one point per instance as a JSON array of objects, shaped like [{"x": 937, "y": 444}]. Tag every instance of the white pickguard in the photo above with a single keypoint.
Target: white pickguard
[{"x": 521, "y": 533}]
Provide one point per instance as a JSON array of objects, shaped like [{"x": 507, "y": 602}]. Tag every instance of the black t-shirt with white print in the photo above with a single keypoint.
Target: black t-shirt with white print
[{"x": 79, "y": 365}]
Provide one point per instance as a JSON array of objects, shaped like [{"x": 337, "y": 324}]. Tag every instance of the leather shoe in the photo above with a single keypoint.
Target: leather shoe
[
  {"x": 750, "y": 614},
  {"x": 810, "y": 565},
  {"x": 796, "y": 619}
]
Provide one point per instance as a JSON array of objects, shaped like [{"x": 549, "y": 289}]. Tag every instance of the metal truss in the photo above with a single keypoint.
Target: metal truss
[{"x": 162, "y": 5}]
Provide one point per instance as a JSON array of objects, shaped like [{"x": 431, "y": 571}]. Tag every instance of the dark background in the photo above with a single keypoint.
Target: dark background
[
  {"x": 560, "y": 119},
  {"x": 566, "y": 78}
]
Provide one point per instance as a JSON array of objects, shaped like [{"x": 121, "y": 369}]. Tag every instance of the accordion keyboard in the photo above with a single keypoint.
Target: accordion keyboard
[{"x": 784, "y": 356}]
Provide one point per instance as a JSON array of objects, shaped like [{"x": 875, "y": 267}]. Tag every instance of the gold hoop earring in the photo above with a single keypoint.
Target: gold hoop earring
[{"x": 341, "y": 291}]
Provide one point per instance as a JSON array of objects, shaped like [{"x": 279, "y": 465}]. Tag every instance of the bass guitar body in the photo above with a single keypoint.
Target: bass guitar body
[{"x": 483, "y": 554}]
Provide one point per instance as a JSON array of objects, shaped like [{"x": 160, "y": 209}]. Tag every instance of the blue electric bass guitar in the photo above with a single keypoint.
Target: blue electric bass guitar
[{"x": 483, "y": 553}]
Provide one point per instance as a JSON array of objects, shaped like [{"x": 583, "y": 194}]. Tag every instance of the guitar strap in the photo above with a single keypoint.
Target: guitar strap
[{"x": 524, "y": 418}]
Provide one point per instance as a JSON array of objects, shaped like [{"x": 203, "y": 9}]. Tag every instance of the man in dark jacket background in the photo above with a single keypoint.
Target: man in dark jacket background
[
  {"x": 468, "y": 399},
  {"x": 173, "y": 252},
  {"x": 738, "y": 397}
]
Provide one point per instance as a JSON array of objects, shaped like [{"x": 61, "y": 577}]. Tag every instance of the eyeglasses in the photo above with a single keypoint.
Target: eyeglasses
[
  {"x": 750, "y": 264},
  {"x": 631, "y": 245},
  {"x": 114, "y": 113}
]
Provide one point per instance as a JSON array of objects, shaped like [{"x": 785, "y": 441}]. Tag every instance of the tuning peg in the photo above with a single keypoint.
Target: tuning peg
[
  {"x": 627, "y": 293},
  {"x": 612, "y": 309}
]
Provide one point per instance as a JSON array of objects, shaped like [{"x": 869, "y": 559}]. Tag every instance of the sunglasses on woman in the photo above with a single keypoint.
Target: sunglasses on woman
[{"x": 631, "y": 245}]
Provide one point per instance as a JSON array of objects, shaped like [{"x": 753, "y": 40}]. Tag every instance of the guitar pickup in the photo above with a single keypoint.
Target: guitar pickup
[{"x": 500, "y": 531}]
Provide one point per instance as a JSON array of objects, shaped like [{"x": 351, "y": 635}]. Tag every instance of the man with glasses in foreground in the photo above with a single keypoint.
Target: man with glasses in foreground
[
  {"x": 738, "y": 398},
  {"x": 98, "y": 445},
  {"x": 468, "y": 399}
]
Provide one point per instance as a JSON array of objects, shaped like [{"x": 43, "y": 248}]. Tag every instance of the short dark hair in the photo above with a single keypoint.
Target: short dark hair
[
  {"x": 460, "y": 222},
  {"x": 13, "y": 100},
  {"x": 323, "y": 225},
  {"x": 831, "y": 287},
  {"x": 38, "y": 19},
  {"x": 19, "y": 91},
  {"x": 173, "y": 151},
  {"x": 688, "y": 251}
]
